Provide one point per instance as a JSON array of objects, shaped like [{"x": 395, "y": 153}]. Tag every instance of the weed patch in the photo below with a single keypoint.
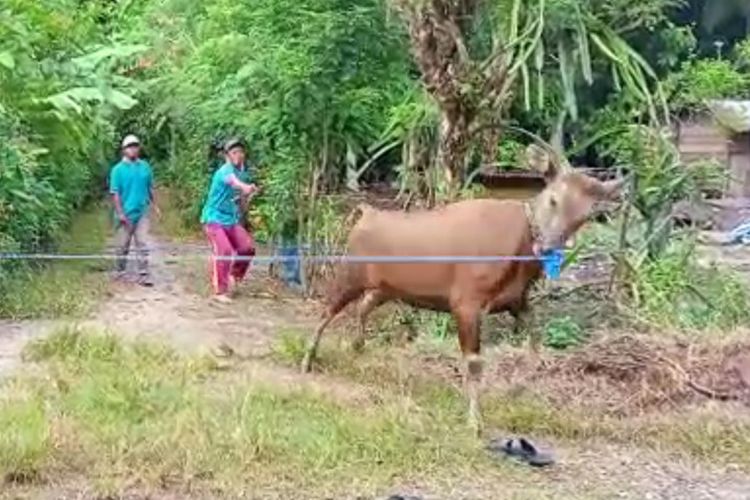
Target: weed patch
[
  {"x": 617, "y": 389},
  {"x": 676, "y": 292},
  {"x": 62, "y": 288},
  {"x": 25, "y": 442},
  {"x": 138, "y": 412}
]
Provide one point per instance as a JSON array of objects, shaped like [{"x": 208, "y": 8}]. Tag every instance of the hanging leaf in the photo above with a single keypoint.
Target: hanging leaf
[
  {"x": 567, "y": 75},
  {"x": 526, "y": 87},
  {"x": 539, "y": 67},
  {"x": 6, "y": 60},
  {"x": 583, "y": 47},
  {"x": 121, "y": 100},
  {"x": 604, "y": 49},
  {"x": 616, "y": 78}
]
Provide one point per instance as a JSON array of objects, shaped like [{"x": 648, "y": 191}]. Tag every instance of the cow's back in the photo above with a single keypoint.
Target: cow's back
[{"x": 470, "y": 228}]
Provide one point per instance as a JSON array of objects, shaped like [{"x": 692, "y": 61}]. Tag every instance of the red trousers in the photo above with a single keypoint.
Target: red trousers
[{"x": 226, "y": 242}]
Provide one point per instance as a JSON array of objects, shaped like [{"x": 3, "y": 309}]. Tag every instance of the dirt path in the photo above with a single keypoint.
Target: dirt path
[{"x": 176, "y": 311}]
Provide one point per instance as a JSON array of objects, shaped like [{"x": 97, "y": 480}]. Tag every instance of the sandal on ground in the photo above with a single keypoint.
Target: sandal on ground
[{"x": 521, "y": 449}]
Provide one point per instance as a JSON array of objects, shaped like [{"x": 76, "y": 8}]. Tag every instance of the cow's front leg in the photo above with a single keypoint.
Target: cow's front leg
[{"x": 468, "y": 336}]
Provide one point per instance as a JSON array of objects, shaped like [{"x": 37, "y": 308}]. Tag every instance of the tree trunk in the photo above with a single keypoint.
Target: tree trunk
[
  {"x": 490, "y": 144},
  {"x": 453, "y": 151}
]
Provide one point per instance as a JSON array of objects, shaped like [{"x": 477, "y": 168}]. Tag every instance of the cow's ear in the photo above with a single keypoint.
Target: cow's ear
[{"x": 540, "y": 160}]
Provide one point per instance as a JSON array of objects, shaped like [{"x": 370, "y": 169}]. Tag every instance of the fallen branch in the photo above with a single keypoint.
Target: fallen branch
[{"x": 700, "y": 389}]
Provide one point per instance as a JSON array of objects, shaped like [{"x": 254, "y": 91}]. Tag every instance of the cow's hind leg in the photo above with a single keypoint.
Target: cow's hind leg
[
  {"x": 329, "y": 315},
  {"x": 468, "y": 336},
  {"x": 368, "y": 303}
]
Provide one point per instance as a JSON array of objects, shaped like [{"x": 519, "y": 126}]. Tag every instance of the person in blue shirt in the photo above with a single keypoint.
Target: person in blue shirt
[
  {"x": 131, "y": 184},
  {"x": 231, "y": 187}
]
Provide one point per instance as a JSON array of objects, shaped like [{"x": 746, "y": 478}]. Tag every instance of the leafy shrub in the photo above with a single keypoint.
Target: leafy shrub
[
  {"x": 510, "y": 154},
  {"x": 676, "y": 291},
  {"x": 563, "y": 333},
  {"x": 309, "y": 84},
  {"x": 703, "y": 79},
  {"x": 60, "y": 93}
]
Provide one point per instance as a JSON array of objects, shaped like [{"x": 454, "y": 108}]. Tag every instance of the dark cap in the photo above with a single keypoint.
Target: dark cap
[{"x": 234, "y": 142}]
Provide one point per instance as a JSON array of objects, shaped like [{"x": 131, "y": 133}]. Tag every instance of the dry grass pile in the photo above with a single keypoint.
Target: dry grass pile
[{"x": 631, "y": 374}]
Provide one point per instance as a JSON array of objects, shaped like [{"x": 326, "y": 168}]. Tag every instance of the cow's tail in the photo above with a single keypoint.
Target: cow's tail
[
  {"x": 347, "y": 285},
  {"x": 348, "y": 282}
]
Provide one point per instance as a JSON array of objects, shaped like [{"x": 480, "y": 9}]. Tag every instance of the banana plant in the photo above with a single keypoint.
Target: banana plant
[{"x": 580, "y": 46}]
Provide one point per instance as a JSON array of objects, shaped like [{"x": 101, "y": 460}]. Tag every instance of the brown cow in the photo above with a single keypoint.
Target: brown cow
[{"x": 482, "y": 227}]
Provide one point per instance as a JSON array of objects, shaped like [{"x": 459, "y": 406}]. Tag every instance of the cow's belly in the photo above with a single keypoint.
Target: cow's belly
[
  {"x": 510, "y": 299},
  {"x": 430, "y": 281},
  {"x": 438, "y": 304}
]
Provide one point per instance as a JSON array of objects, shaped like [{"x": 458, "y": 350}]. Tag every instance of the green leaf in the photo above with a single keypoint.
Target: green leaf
[
  {"x": 526, "y": 86},
  {"x": 91, "y": 61},
  {"x": 515, "y": 14},
  {"x": 583, "y": 47},
  {"x": 607, "y": 51},
  {"x": 121, "y": 100},
  {"x": 7, "y": 60},
  {"x": 567, "y": 75}
]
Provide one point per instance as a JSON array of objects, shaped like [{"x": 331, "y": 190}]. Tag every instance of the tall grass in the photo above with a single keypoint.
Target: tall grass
[
  {"x": 60, "y": 288},
  {"x": 117, "y": 413},
  {"x": 531, "y": 408},
  {"x": 675, "y": 291}
]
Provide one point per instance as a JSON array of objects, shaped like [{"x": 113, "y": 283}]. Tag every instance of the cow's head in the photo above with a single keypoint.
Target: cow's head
[{"x": 568, "y": 201}]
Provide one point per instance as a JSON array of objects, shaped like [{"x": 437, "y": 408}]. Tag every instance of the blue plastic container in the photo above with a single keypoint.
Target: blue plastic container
[
  {"x": 552, "y": 261},
  {"x": 290, "y": 265}
]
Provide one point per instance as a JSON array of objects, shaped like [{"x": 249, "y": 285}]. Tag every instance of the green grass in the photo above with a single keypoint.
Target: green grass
[
  {"x": 25, "y": 437},
  {"x": 120, "y": 413},
  {"x": 111, "y": 415},
  {"x": 173, "y": 224},
  {"x": 64, "y": 288},
  {"x": 710, "y": 436}
]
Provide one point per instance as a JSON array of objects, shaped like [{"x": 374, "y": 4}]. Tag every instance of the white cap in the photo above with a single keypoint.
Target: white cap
[{"x": 130, "y": 140}]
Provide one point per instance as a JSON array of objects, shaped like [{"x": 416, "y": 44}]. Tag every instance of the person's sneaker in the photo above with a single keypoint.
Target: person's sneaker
[{"x": 222, "y": 298}]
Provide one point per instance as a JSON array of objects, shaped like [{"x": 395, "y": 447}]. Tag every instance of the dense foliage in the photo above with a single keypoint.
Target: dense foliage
[
  {"x": 309, "y": 83},
  {"x": 332, "y": 94},
  {"x": 60, "y": 92}
]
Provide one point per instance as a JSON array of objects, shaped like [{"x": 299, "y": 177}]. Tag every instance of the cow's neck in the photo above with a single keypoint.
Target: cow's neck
[{"x": 531, "y": 218}]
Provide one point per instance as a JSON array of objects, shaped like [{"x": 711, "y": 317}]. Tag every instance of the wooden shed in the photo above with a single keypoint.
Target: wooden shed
[
  {"x": 722, "y": 136},
  {"x": 512, "y": 184}
]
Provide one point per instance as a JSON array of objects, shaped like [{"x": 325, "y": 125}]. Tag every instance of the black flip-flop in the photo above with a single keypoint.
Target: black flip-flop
[{"x": 521, "y": 449}]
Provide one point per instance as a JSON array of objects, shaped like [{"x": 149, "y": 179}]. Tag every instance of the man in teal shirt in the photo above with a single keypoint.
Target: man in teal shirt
[
  {"x": 131, "y": 185},
  {"x": 231, "y": 187}
]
